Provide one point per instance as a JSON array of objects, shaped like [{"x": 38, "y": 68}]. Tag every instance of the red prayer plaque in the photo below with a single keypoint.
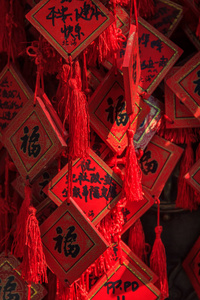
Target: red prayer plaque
[
  {"x": 193, "y": 176},
  {"x": 70, "y": 26},
  {"x": 185, "y": 83},
  {"x": 122, "y": 282},
  {"x": 148, "y": 127},
  {"x": 167, "y": 15},
  {"x": 39, "y": 183},
  {"x": 98, "y": 145},
  {"x": 108, "y": 115},
  {"x": 33, "y": 140},
  {"x": 192, "y": 264},
  {"x": 134, "y": 210},
  {"x": 12, "y": 285},
  {"x": 136, "y": 262},
  {"x": 95, "y": 187},
  {"x": 158, "y": 161},
  {"x": 14, "y": 93},
  {"x": 44, "y": 210},
  {"x": 131, "y": 69},
  {"x": 157, "y": 55},
  {"x": 71, "y": 242},
  {"x": 181, "y": 116}
]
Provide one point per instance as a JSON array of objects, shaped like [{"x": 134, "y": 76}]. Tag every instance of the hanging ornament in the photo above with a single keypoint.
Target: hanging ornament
[{"x": 158, "y": 258}]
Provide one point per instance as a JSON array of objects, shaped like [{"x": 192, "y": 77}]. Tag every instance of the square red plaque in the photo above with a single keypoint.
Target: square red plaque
[
  {"x": 14, "y": 93},
  {"x": 33, "y": 140},
  {"x": 166, "y": 17},
  {"x": 191, "y": 266},
  {"x": 193, "y": 176},
  {"x": 12, "y": 285},
  {"x": 131, "y": 69},
  {"x": 123, "y": 282},
  {"x": 108, "y": 113},
  {"x": 158, "y": 161},
  {"x": 185, "y": 83},
  {"x": 95, "y": 187},
  {"x": 181, "y": 116},
  {"x": 71, "y": 242},
  {"x": 70, "y": 26},
  {"x": 157, "y": 55},
  {"x": 134, "y": 210},
  {"x": 148, "y": 127}
]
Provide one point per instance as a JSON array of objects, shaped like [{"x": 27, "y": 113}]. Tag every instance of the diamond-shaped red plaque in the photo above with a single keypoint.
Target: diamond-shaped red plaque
[
  {"x": 122, "y": 282},
  {"x": 12, "y": 285},
  {"x": 134, "y": 210},
  {"x": 148, "y": 127},
  {"x": 166, "y": 17},
  {"x": 32, "y": 139},
  {"x": 71, "y": 242},
  {"x": 193, "y": 176},
  {"x": 175, "y": 109},
  {"x": 131, "y": 69},
  {"x": 108, "y": 113},
  {"x": 70, "y": 26},
  {"x": 136, "y": 262},
  {"x": 158, "y": 161},
  {"x": 192, "y": 266},
  {"x": 14, "y": 93},
  {"x": 185, "y": 83},
  {"x": 95, "y": 188},
  {"x": 157, "y": 55}
]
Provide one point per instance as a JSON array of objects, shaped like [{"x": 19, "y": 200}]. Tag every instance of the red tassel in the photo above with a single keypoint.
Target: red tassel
[
  {"x": 132, "y": 180},
  {"x": 158, "y": 259},
  {"x": 136, "y": 241},
  {"x": 146, "y": 8},
  {"x": 185, "y": 196},
  {"x": 78, "y": 122},
  {"x": 27, "y": 242},
  {"x": 198, "y": 30}
]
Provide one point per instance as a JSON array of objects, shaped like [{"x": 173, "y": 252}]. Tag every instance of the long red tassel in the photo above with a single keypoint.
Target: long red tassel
[
  {"x": 132, "y": 180},
  {"x": 78, "y": 118},
  {"x": 158, "y": 259},
  {"x": 27, "y": 242},
  {"x": 136, "y": 240}
]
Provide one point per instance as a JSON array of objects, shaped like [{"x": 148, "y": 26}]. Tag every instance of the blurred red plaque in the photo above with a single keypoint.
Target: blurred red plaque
[
  {"x": 14, "y": 93},
  {"x": 122, "y": 282},
  {"x": 185, "y": 83},
  {"x": 193, "y": 176},
  {"x": 166, "y": 17},
  {"x": 70, "y": 26},
  {"x": 12, "y": 285},
  {"x": 35, "y": 142},
  {"x": 158, "y": 161},
  {"x": 181, "y": 116},
  {"x": 134, "y": 210},
  {"x": 95, "y": 188},
  {"x": 108, "y": 113},
  {"x": 157, "y": 55},
  {"x": 71, "y": 242},
  {"x": 131, "y": 69},
  {"x": 192, "y": 266}
]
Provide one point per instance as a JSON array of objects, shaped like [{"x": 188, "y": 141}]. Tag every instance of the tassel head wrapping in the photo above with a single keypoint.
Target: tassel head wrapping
[{"x": 132, "y": 180}]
